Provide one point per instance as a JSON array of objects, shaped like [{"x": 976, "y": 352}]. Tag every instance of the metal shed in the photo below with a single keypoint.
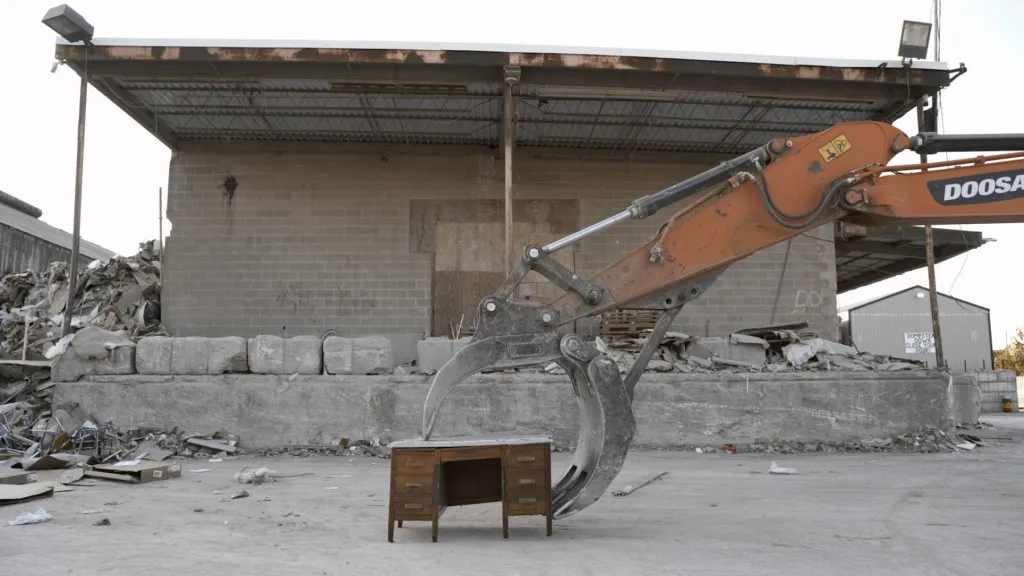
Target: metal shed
[{"x": 900, "y": 325}]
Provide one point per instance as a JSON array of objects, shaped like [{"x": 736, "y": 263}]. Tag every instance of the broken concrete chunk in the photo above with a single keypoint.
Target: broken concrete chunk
[
  {"x": 432, "y": 353},
  {"x": 95, "y": 351},
  {"x": 362, "y": 355}
]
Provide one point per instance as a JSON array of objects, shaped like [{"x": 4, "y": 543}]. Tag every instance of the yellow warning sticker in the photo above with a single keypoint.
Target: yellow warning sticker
[{"x": 836, "y": 148}]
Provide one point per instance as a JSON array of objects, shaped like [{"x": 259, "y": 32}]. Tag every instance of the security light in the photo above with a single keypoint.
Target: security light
[
  {"x": 68, "y": 23},
  {"x": 914, "y": 40}
]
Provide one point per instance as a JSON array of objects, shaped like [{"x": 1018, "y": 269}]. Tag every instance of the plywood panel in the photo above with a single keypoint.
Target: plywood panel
[{"x": 469, "y": 264}]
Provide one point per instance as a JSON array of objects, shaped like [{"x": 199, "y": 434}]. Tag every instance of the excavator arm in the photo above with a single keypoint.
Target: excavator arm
[{"x": 786, "y": 188}]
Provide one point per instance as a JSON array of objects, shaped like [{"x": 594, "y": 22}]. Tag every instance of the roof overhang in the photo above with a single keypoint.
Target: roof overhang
[
  {"x": 403, "y": 93},
  {"x": 867, "y": 255}
]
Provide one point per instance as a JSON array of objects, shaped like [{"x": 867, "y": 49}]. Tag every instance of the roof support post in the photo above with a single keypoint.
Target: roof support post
[
  {"x": 76, "y": 237},
  {"x": 926, "y": 122},
  {"x": 512, "y": 75}
]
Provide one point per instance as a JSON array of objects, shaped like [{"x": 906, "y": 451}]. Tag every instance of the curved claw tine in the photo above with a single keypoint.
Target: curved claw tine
[
  {"x": 606, "y": 432},
  {"x": 493, "y": 352}
]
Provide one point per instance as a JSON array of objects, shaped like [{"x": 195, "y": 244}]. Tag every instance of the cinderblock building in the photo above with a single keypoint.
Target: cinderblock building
[{"x": 363, "y": 188}]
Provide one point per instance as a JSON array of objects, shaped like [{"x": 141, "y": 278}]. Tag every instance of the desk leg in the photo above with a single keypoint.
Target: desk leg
[
  {"x": 549, "y": 521},
  {"x": 399, "y": 523},
  {"x": 391, "y": 524},
  {"x": 433, "y": 527}
]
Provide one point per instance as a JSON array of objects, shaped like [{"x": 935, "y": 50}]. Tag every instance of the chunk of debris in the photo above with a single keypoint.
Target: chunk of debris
[
  {"x": 40, "y": 515},
  {"x": 260, "y": 475},
  {"x": 240, "y": 494},
  {"x": 103, "y": 522},
  {"x": 776, "y": 469}
]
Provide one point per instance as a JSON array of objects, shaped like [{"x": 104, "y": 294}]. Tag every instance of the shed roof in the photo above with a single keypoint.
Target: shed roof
[
  {"x": 859, "y": 305},
  {"x": 19, "y": 220},
  {"x": 449, "y": 93}
]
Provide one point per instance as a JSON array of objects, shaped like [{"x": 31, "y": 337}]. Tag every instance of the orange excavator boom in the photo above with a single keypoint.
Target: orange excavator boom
[{"x": 787, "y": 187}]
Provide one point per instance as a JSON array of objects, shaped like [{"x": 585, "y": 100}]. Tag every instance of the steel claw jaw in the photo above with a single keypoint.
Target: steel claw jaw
[{"x": 607, "y": 425}]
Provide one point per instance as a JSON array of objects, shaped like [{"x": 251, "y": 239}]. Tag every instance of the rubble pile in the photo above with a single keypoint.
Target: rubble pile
[
  {"x": 755, "y": 350},
  {"x": 371, "y": 448},
  {"x": 928, "y": 441},
  {"x": 119, "y": 294}
]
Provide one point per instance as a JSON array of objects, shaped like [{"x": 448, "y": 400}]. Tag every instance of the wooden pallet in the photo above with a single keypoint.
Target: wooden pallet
[{"x": 626, "y": 324}]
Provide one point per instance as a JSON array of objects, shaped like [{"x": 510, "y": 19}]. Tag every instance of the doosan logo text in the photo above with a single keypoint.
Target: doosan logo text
[{"x": 987, "y": 187}]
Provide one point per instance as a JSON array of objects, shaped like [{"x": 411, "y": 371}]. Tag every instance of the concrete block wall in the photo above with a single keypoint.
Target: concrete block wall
[
  {"x": 672, "y": 410},
  {"x": 316, "y": 238},
  {"x": 994, "y": 384}
]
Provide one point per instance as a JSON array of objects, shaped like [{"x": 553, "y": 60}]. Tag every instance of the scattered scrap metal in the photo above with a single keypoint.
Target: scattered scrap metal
[{"x": 119, "y": 294}]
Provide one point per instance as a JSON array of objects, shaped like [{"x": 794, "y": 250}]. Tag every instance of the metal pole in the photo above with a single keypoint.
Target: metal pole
[
  {"x": 924, "y": 125},
  {"x": 509, "y": 136},
  {"x": 161, "y": 243},
  {"x": 69, "y": 308}
]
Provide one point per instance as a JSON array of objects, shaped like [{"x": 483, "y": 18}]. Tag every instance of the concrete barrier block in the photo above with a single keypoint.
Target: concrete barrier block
[
  {"x": 403, "y": 348},
  {"x": 189, "y": 356},
  {"x": 95, "y": 351},
  {"x": 303, "y": 355},
  {"x": 364, "y": 355},
  {"x": 228, "y": 355},
  {"x": 432, "y": 353},
  {"x": 266, "y": 355},
  {"x": 153, "y": 355}
]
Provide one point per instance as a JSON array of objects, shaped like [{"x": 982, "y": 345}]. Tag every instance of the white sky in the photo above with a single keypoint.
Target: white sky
[{"x": 124, "y": 165}]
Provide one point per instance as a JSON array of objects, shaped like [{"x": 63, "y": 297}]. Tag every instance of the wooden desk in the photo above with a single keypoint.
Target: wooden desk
[{"x": 428, "y": 476}]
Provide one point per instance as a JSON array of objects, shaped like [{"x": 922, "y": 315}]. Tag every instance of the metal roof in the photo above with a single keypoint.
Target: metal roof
[
  {"x": 407, "y": 93},
  {"x": 866, "y": 255},
  {"x": 19, "y": 220},
  {"x": 854, "y": 307}
]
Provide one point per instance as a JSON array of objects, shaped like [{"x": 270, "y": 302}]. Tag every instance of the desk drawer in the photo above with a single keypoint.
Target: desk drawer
[
  {"x": 526, "y": 478},
  {"x": 420, "y": 463},
  {"x": 525, "y": 495},
  {"x": 419, "y": 485},
  {"x": 527, "y": 502},
  {"x": 469, "y": 453},
  {"x": 413, "y": 506},
  {"x": 528, "y": 457}
]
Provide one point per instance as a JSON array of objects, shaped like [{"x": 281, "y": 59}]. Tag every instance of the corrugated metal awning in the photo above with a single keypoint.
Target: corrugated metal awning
[{"x": 568, "y": 98}]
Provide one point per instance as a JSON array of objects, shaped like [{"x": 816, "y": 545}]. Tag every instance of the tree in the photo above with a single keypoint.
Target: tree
[{"x": 1012, "y": 357}]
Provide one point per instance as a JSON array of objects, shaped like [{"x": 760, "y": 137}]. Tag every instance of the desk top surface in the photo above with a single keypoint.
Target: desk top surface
[{"x": 458, "y": 442}]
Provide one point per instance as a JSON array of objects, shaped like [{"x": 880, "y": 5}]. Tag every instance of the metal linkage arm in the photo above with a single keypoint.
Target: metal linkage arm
[{"x": 932, "y": 143}]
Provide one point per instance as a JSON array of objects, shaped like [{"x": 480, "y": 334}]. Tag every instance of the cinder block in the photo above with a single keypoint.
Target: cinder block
[
  {"x": 153, "y": 355},
  {"x": 189, "y": 356},
  {"x": 228, "y": 355},
  {"x": 303, "y": 355},
  {"x": 364, "y": 355},
  {"x": 432, "y": 353}
]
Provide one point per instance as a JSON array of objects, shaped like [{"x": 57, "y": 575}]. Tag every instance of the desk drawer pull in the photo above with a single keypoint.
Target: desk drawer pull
[
  {"x": 527, "y": 500},
  {"x": 527, "y": 480},
  {"x": 413, "y": 485},
  {"x": 414, "y": 506},
  {"x": 525, "y": 458}
]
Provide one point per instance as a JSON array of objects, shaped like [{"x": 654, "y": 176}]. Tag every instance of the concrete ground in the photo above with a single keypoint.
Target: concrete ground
[{"x": 859, "y": 513}]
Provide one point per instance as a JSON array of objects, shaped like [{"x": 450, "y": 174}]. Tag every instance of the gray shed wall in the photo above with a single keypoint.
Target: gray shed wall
[
  {"x": 20, "y": 252},
  {"x": 879, "y": 327}
]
